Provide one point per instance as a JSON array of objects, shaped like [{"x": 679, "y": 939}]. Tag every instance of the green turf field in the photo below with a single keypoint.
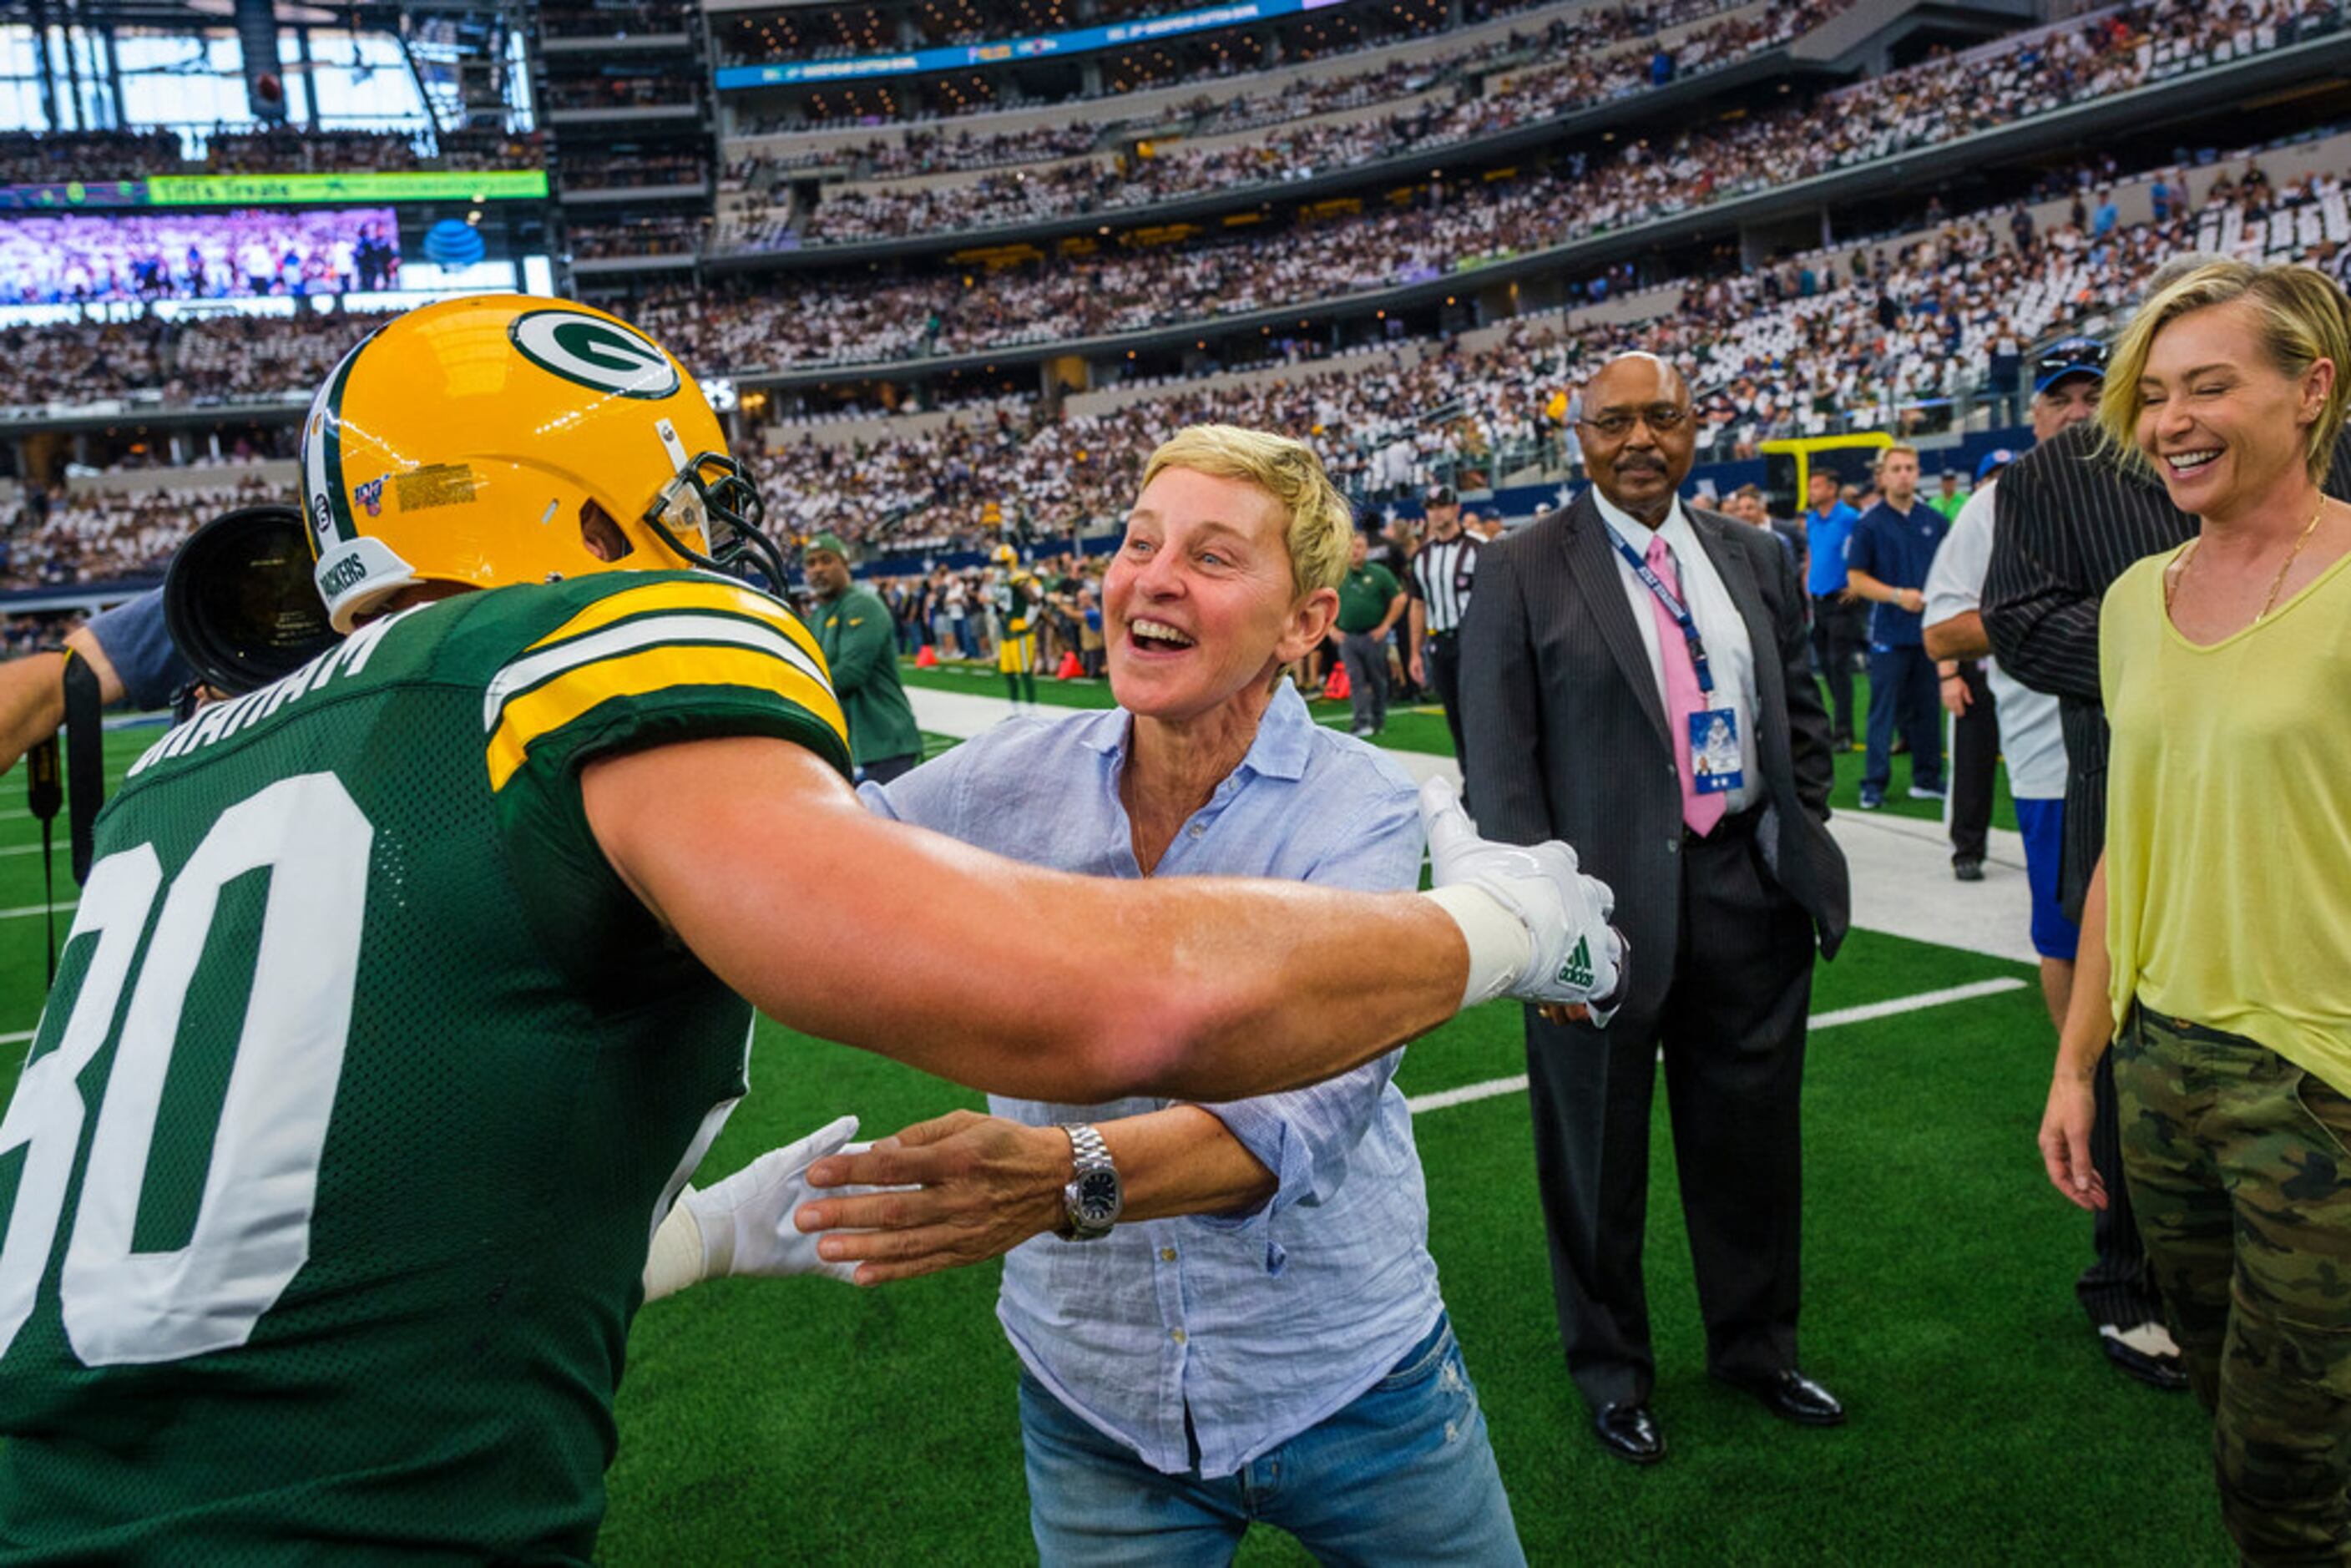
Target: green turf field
[{"x": 808, "y": 1421}]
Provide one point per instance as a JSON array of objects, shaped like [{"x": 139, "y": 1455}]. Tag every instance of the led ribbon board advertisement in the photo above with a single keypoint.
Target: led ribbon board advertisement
[
  {"x": 278, "y": 190},
  {"x": 1044, "y": 45}
]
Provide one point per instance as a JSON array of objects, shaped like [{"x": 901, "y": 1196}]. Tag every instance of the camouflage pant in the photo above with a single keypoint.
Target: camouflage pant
[{"x": 2238, "y": 1167}]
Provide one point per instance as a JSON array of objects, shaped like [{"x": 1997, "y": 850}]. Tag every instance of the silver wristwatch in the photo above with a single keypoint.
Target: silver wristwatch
[{"x": 1095, "y": 1198}]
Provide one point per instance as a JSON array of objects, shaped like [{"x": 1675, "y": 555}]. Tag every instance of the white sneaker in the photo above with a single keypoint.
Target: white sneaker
[
  {"x": 2148, "y": 1338},
  {"x": 2147, "y": 1353}
]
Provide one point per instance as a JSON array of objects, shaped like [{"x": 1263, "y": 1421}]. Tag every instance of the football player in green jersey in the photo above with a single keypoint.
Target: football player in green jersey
[
  {"x": 406, "y": 991},
  {"x": 1015, "y": 597}
]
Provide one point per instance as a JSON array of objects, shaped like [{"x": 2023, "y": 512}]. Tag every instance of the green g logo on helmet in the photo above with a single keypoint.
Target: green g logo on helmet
[{"x": 594, "y": 352}]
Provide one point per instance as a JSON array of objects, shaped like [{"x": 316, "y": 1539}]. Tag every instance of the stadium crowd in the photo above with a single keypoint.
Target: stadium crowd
[
  {"x": 653, "y": 87},
  {"x": 1937, "y": 101},
  {"x": 1311, "y": 149},
  {"x": 607, "y": 20},
  {"x": 1906, "y": 337},
  {"x": 54, "y": 540},
  {"x": 855, "y": 108},
  {"x": 27, "y": 159},
  {"x": 286, "y": 150},
  {"x": 190, "y": 360},
  {"x": 1874, "y": 338},
  {"x": 930, "y": 150},
  {"x": 604, "y": 239},
  {"x": 632, "y": 172},
  {"x": 923, "y": 150}
]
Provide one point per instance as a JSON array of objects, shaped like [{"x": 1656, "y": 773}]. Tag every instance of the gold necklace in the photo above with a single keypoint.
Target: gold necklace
[{"x": 2179, "y": 573}]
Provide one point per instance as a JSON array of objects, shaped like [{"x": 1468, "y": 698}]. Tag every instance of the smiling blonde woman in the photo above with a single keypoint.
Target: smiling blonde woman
[
  {"x": 2224, "y": 894},
  {"x": 1224, "y": 1313}
]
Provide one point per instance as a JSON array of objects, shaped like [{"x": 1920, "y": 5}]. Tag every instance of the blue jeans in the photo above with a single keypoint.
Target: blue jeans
[
  {"x": 1903, "y": 691},
  {"x": 1404, "y": 1474}
]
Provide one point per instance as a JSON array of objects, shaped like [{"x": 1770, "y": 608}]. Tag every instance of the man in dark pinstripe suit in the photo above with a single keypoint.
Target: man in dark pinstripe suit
[
  {"x": 1577, "y": 686},
  {"x": 2069, "y": 521}
]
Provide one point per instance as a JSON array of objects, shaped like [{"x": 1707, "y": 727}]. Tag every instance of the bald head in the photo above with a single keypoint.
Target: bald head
[{"x": 1638, "y": 437}]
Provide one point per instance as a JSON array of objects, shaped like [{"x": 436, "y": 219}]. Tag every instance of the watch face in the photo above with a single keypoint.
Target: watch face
[{"x": 1098, "y": 1196}]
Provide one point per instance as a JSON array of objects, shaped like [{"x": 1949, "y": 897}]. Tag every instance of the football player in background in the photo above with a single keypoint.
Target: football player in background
[
  {"x": 406, "y": 991},
  {"x": 1015, "y": 596}
]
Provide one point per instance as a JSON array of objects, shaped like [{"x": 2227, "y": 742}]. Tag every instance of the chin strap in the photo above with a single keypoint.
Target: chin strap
[
  {"x": 44, "y": 795},
  {"x": 47, "y": 786},
  {"x": 85, "y": 760}
]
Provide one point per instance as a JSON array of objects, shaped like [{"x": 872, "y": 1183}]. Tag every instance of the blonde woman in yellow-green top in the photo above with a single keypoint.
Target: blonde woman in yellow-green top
[{"x": 2224, "y": 894}]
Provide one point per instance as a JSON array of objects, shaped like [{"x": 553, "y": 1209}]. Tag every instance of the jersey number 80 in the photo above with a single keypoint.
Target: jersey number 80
[{"x": 252, "y": 1230}]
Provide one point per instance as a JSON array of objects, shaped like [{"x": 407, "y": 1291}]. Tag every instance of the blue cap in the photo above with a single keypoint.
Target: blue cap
[
  {"x": 1993, "y": 462},
  {"x": 2068, "y": 357}
]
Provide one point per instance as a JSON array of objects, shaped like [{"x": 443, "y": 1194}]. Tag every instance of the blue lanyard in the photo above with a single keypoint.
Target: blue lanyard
[{"x": 1674, "y": 607}]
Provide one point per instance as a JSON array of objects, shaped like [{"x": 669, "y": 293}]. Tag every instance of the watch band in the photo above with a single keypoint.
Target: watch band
[{"x": 1089, "y": 1156}]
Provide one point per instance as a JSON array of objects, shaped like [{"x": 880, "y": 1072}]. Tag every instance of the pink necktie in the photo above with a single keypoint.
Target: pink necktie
[{"x": 1699, "y": 812}]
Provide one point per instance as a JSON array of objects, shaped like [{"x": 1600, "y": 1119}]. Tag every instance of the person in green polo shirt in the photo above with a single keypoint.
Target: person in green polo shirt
[
  {"x": 852, "y": 628},
  {"x": 1947, "y": 498},
  {"x": 1370, "y": 600}
]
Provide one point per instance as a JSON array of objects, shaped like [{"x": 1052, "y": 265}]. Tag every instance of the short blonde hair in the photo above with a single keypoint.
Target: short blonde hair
[
  {"x": 1886, "y": 452},
  {"x": 2302, "y": 318},
  {"x": 1322, "y": 527}
]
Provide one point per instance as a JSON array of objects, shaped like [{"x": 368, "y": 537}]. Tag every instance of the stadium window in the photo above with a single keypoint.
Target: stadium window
[
  {"x": 20, "y": 84},
  {"x": 180, "y": 80}
]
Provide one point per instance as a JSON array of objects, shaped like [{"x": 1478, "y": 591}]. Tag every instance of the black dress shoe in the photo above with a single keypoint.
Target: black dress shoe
[
  {"x": 1968, "y": 869},
  {"x": 2164, "y": 1372},
  {"x": 1790, "y": 1396},
  {"x": 1630, "y": 1432}
]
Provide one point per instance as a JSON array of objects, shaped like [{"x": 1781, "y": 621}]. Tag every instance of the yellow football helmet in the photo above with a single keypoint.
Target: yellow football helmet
[
  {"x": 1005, "y": 554},
  {"x": 487, "y": 441}
]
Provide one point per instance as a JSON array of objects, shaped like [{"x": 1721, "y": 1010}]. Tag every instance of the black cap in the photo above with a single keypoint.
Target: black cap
[{"x": 1444, "y": 495}]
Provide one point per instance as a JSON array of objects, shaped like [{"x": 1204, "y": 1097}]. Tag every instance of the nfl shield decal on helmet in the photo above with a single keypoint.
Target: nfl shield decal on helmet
[
  {"x": 370, "y": 495},
  {"x": 595, "y": 352}
]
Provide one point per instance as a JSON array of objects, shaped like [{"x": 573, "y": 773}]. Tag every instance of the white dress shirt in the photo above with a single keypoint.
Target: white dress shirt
[
  {"x": 1729, "y": 654},
  {"x": 2030, "y": 739}
]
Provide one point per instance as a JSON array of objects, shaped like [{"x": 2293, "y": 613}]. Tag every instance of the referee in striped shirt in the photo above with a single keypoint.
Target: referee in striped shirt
[{"x": 1438, "y": 584}]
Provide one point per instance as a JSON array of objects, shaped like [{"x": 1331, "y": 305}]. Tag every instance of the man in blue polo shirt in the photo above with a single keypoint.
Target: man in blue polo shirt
[
  {"x": 1886, "y": 563},
  {"x": 1838, "y": 629}
]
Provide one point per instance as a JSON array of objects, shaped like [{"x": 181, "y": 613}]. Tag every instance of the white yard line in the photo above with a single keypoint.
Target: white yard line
[{"x": 1443, "y": 1099}]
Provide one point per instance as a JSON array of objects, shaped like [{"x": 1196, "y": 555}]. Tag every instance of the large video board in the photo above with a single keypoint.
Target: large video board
[{"x": 89, "y": 258}]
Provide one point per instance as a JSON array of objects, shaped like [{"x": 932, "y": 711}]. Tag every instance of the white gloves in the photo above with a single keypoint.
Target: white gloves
[
  {"x": 743, "y": 1224},
  {"x": 1537, "y": 927}
]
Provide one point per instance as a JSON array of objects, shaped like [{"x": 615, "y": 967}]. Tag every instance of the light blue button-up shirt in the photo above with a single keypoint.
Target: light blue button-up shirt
[{"x": 1263, "y": 1325}]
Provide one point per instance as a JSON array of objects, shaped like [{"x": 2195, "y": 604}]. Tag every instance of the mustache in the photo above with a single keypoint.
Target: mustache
[{"x": 1631, "y": 464}]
